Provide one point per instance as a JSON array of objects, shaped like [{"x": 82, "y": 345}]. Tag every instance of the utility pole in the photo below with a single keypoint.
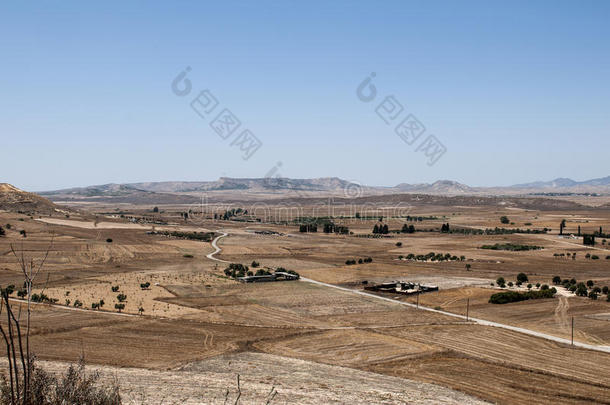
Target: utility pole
[
  {"x": 572, "y": 331},
  {"x": 467, "y": 308}
]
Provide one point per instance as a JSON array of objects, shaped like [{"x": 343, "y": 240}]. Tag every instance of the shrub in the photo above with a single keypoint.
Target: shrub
[
  {"x": 595, "y": 257},
  {"x": 188, "y": 256},
  {"x": 522, "y": 278},
  {"x": 109, "y": 240},
  {"x": 590, "y": 283},
  {"x": 556, "y": 280},
  {"x": 529, "y": 286},
  {"x": 398, "y": 244},
  {"x": 510, "y": 283},
  {"x": 504, "y": 219},
  {"x": 593, "y": 295},
  {"x": 605, "y": 289},
  {"x": 581, "y": 290},
  {"x": 500, "y": 281},
  {"x": 255, "y": 264},
  {"x": 2, "y": 231},
  {"x": 76, "y": 386},
  {"x": 145, "y": 285},
  {"x": 121, "y": 297},
  {"x": 115, "y": 288},
  {"x": 544, "y": 287}
]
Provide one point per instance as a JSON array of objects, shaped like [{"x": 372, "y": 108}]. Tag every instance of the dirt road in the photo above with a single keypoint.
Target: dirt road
[
  {"x": 484, "y": 322},
  {"x": 215, "y": 246}
]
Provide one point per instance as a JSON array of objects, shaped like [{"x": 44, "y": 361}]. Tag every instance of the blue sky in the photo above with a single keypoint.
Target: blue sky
[{"x": 515, "y": 91}]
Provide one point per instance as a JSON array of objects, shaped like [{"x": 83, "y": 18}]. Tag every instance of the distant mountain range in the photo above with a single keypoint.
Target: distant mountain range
[
  {"x": 309, "y": 187},
  {"x": 565, "y": 183}
]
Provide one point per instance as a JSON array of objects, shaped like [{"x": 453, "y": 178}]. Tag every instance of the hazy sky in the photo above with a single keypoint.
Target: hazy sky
[{"x": 515, "y": 91}]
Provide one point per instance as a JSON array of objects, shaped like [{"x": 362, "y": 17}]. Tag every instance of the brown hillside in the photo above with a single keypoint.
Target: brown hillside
[{"x": 14, "y": 199}]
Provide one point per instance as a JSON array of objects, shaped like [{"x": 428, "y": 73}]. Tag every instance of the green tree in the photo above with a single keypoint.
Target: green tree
[
  {"x": 522, "y": 278},
  {"x": 556, "y": 280},
  {"x": 504, "y": 219}
]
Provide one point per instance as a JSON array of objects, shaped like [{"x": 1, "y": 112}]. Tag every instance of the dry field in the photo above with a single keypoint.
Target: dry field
[{"x": 198, "y": 325}]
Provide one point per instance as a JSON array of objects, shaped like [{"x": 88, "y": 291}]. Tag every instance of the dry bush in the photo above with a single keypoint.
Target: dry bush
[{"x": 76, "y": 386}]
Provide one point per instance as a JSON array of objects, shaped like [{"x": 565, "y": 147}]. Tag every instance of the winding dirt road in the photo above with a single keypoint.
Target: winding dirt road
[{"x": 215, "y": 246}]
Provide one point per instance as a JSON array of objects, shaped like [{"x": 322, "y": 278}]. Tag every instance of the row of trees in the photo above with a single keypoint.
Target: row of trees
[
  {"x": 497, "y": 231},
  {"x": 381, "y": 229},
  {"x": 521, "y": 279},
  {"x": 201, "y": 236},
  {"x": 237, "y": 270},
  {"x": 330, "y": 227},
  {"x": 506, "y": 297},
  {"x": 231, "y": 213},
  {"x": 350, "y": 262},
  {"x": 308, "y": 228},
  {"x": 435, "y": 257},
  {"x": 511, "y": 247}
]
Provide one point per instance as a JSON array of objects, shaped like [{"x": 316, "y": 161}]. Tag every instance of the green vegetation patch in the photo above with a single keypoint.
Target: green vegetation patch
[
  {"x": 511, "y": 246},
  {"x": 506, "y": 297}
]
